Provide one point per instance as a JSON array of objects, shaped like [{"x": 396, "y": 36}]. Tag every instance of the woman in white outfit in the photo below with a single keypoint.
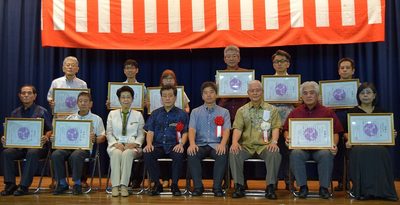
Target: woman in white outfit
[{"x": 125, "y": 137}]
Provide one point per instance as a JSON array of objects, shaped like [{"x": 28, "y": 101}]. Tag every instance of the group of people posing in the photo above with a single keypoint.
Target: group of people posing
[{"x": 233, "y": 129}]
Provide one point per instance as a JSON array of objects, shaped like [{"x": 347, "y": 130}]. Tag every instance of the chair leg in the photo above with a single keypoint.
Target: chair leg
[
  {"x": 47, "y": 161},
  {"x": 92, "y": 175}
]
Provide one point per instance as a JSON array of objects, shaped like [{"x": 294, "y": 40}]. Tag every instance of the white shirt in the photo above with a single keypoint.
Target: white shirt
[
  {"x": 63, "y": 82},
  {"x": 97, "y": 122}
]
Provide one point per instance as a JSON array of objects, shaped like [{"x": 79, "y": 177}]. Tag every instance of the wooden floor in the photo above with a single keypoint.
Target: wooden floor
[{"x": 100, "y": 197}]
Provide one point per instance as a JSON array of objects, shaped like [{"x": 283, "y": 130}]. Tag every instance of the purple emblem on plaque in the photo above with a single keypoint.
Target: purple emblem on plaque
[
  {"x": 339, "y": 94},
  {"x": 23, "y": 133},
  {"x": 280, "y": 89},
  {"x": 310, "y": 134},
  {"x": 235, "y": 83},
  {"x": 72, "y": 134},
  {"x": 70, "y": 102},
  {"x": 370, "y": 129}
]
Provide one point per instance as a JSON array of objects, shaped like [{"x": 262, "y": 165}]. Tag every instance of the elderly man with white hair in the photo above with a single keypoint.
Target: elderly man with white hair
[
  {"x": 255, "y": 134},
  {"x": 312, "y": 109}
]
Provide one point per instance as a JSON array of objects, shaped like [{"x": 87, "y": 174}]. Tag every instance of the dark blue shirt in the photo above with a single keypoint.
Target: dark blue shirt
[
  {"x": 163, "y": 124},
  {"x": 34, "y": 111}
]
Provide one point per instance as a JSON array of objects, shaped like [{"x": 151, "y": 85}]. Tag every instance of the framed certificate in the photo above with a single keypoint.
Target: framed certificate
[
  {"x": 155, "y": 101},
  {"x": 233, "y": 84},
  {"x": 72, "y": 134},
  {"x": 371, "y": 129},
  {"x": 66, "y": 100},
  {"x": 311, "y": 133},
  {"x": 138, "y": 99},
  {"x": 339, "y": 93},
  {"x": 23, "y": 132},
  {"x": 281, "y": 89}
]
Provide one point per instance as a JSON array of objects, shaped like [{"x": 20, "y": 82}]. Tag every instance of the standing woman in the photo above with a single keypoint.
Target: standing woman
[
  {"x": 370, "y": 166},
  {"x": 168, "y": 77},
  {"x": 125, "y": 137}
]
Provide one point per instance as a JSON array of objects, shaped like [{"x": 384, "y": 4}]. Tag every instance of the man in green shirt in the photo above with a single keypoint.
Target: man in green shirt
[{"x": 255, "y": 134}]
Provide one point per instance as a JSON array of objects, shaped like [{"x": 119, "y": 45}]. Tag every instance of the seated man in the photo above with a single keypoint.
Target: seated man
[
  {"x": 166, "y": 135},
  {"x": 312, "y": 109},
  {"x": 255, "y": 134},
  {"x": 77, "y": 157},
  {"x": 209, "y": 128},
  {"x": 27, "y": 96}
]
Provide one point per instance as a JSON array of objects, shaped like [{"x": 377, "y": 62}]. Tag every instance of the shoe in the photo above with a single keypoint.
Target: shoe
[
  {"x": 136, "y": 183},
  {"x": 115, "y": 191},
  {"x": 339, "y": 187},
  {"x": 61, "y": 189},
  {"x": 9, "y": 189},
  {"x": 124, "y": 191},
  {"x": 22, "y": 190},
  {"x": 239, "y": 191},
  {"x": 77, "y": 189},
  {"x": 156, "y": 190},
  {"x": 324, "y": 193},
  {"x": 165, "y": 184},
  {"x": 218, "y": 192},
  {"x": 290, "y": 186},
  {"x": 84, "y": 184},
  {"x": 198, "y": 191},
  {"x": 175, "y": 190},
  {"x": 303, "y": 192},
  {"x": 270, "y": 192}
]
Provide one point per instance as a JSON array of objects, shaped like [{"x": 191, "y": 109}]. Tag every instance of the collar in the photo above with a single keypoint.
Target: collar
[
  {"x": 317, "y": 106},
  {"x": 281, "y": 75},
  {"x": 84, "y": 116},
  {"x": 28, "y": 108},
  {"x": 126, "y": 81},
  {"x": 66, "y": 79},
  {"x": 260, "y": 106},
  {"x": 208, "y": 108}
]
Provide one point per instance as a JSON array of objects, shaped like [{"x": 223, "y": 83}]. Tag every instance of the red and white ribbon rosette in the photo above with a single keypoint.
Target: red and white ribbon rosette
[
  {"x": 265, "y": 126},
  {"x": 179, "y": 127},
  {"x": 219, "y": 121}
]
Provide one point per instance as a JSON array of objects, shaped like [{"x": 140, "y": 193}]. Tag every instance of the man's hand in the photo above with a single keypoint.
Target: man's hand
[
  {"x": 44, "y": 139},
  {"x": 3, "y": 140},
  {"x": 273, "y": 147},
  {"x": 92, "y": 137},
  {"x": 333, "y": 149},
  {"x": 287, "y": 141},
  {"x": 235, "y": 148},
  {"x": 192, "y": 149},
  {"x": 178, "y": 148},
  {"x": 119, "y": 146},
  {"x": 52, "y": 104},
  {"x": 221, "y": 149},
  {"x": 148, "y": 148}
]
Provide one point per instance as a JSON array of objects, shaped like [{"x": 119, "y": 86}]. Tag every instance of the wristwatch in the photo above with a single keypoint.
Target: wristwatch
[{"x": 274, "y": 142}]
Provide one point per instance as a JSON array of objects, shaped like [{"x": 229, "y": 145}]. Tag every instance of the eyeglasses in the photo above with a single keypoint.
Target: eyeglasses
[{"x": 280, "y": 61}]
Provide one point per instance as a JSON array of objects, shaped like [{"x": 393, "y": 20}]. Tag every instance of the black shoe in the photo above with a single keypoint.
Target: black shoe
[
  {"x": 270, "y": 192},
  {"x": 22, "y": 190},
  {"x": 239, "y": 191},
  {"x": 198, "y": 191},
  {"x": 290, "y": 186},
  {"x": 324, "y": 193},
  {"x": 218, "y": 192},
  {"x": 77, "y": 189},
  {"x": 9, "y": 189},
  {"x": 136, "y": 183},
  {"x": 303, "y": 192},
  {"x": 175, "y": 190},
  {"x": 339, "y": 187},
  {"x": 60, "y": 189},
  {"x": 156, "y": 190}
]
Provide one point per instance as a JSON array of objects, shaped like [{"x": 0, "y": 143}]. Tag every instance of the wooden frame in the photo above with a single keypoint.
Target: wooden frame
[
  {"x": 311, "y": 133},
  {"x": 23, "y": 132},
  {"x": 281, "y": 89},
  {"x": 339, "y": 93},
  {"x": 154, "y": 98},
  {"x": 138, "y": 99},
  {"x": 233, "y": 84},
  {"x": 66, "y": 101},
  {"x": 72, "y": 134}
]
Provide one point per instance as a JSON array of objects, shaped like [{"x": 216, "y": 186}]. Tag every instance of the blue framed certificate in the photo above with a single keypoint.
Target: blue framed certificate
[
  {"x": 138, "y": 99},
  {"x": 339, "y": 93},
  {"x": 281, "y": 89},
  {"x": 371, "y": 129},
  {"x": 154, "y": 98},
  {"x": 66, "y": 100},
  {"x": 233, "y": 84},
  {"x": 23, "y": 132},
  {"x": 311, "y": 133},
  {"x": 72, "y": 134}
]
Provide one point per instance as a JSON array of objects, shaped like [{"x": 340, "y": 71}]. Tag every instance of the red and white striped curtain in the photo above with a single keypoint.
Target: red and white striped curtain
[{"x": 186, "y": 24}]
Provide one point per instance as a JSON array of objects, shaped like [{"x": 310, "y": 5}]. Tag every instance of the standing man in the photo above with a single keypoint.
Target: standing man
[
  {"x": 69, "y": 80},
  {"x": 281, "y": 62},
  {"x": 209, "y": 129},
  {"x": 77, "y": 157},
  {"x": 27, "y": 95},
  {"x": 346, "y": 69},
  {"x": 255, "y": 133},
  {"x": 166, "y": 136},
  {"x": 312, "y": 109}
]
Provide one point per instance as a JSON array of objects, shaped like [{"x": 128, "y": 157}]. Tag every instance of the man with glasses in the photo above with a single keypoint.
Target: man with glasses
[{"x": 28, "y": 109}]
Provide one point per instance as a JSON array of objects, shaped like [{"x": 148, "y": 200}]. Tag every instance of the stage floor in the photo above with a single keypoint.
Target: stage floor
[{"x": 100, "y": 197}]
